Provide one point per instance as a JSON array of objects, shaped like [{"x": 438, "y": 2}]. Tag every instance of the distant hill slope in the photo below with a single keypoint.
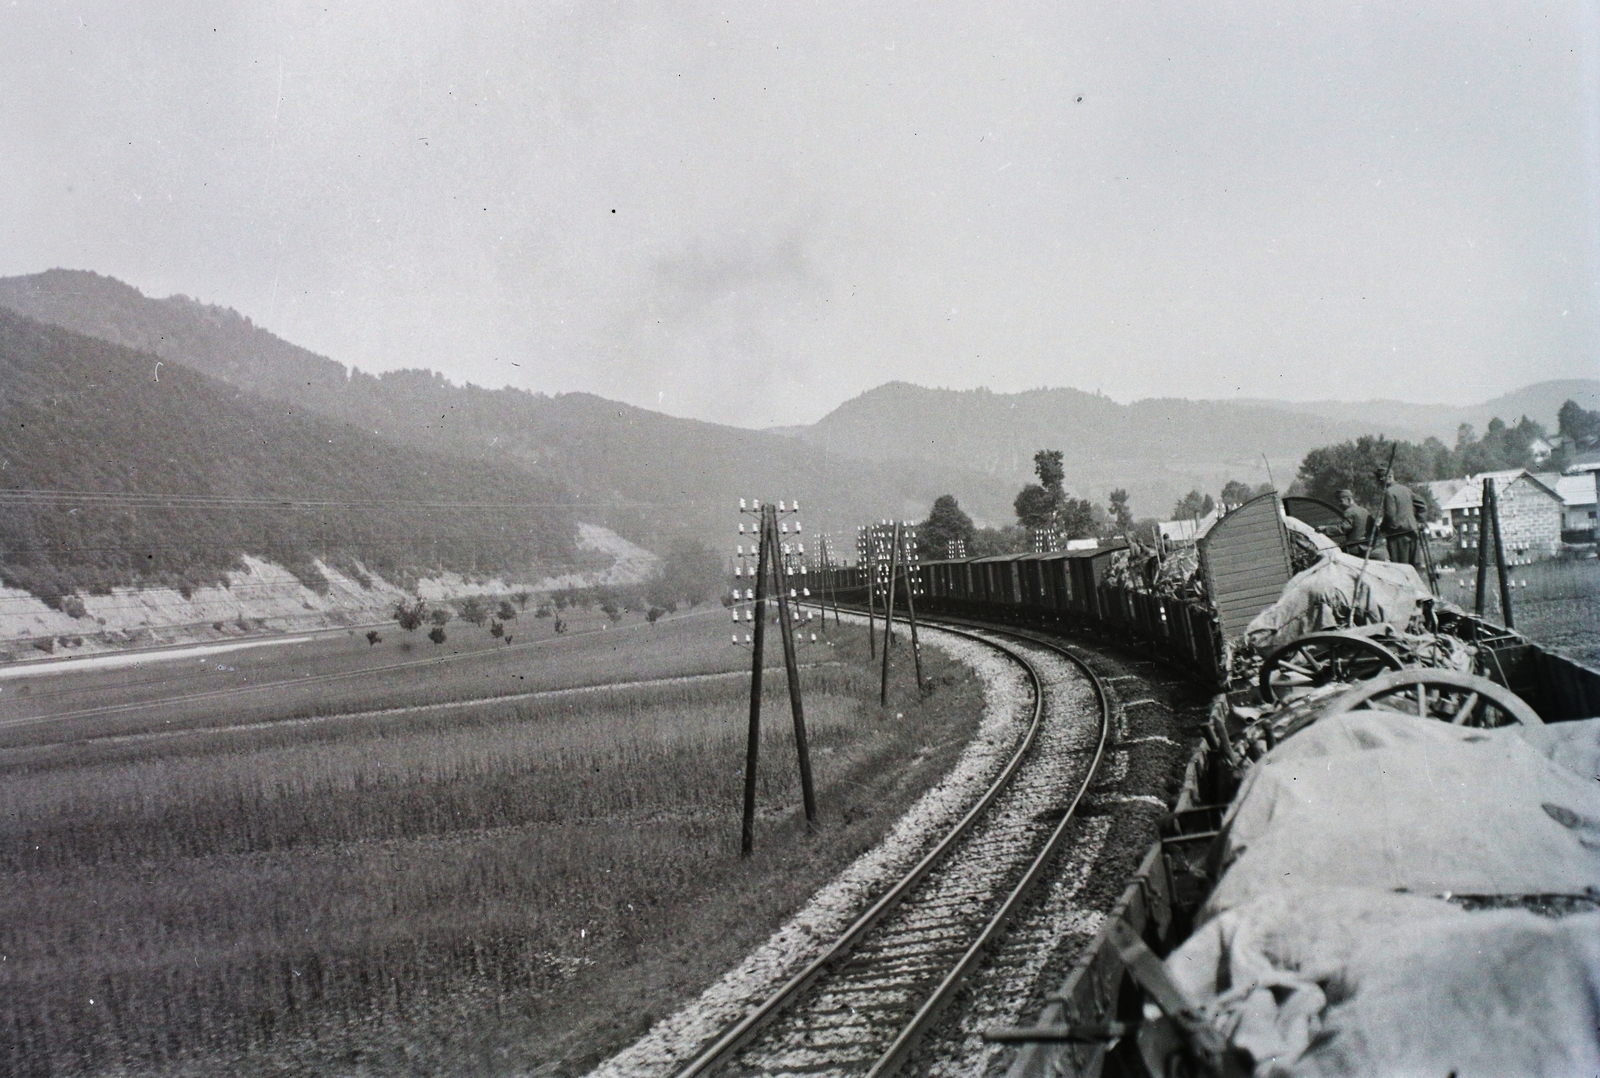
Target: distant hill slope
[
  {"x": 170, "y": 476},
  {"x": 1157, "y": 449},
  {"x": 650, "y": 476},
  {"x": 1539, "y": 402}
]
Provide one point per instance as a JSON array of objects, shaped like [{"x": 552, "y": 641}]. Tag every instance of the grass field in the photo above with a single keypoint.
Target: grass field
[
  {"x": 484, "y": 889},
  {"x": 1556, "y": 603}
]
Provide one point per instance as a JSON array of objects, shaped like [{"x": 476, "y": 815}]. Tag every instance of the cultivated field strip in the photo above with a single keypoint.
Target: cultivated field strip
[{"x": 865, "y": 1012}]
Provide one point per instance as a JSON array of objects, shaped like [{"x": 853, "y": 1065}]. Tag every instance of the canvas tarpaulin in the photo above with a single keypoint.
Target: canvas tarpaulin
[
  {"x": 1396, "y": 802},
  {"x": 1337, "y": 592},
  {"x": 1346, "y": 981}
]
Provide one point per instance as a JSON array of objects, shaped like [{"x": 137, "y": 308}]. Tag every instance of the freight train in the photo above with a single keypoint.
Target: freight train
[{"x": 1385, "y": 858}]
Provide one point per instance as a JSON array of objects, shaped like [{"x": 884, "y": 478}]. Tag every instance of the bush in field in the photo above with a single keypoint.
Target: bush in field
[
  {"x": 654, "y": 614},
  {"x": 436, "y": 634},
  {"x": 544, "y": 611},
  {"x": 611, "y": 610},
  {"x": 522, "y": 598},
  {"x": 440, "y": 617},
  {"x": 474, "y": 610},
  {"x": 373, "y": 637},
  {"x": 497, "y": 629},
  {"x": 410, "y": 616},
  {"x": 507, "y": 611}
]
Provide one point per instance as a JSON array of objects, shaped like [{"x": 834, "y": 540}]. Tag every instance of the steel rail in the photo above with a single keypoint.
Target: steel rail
[
  {"x": 745, "y": 1030},
  {"x": 912, "y": 1033}
]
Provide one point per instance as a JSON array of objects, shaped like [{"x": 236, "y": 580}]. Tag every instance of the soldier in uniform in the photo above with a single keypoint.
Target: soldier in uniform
[
  {"x": 1355, "y": 533},
  {"x": 1398, "y": 525}
]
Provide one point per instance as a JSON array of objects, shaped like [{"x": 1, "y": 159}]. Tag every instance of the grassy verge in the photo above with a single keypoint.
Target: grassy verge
[
  {"x": 481, "y": 891},
  {"x": 1554, "y": 602}
]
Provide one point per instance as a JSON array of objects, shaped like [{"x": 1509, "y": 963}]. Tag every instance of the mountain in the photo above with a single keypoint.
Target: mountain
[
  {"x": 1539, "y": 402},
  {"x": 117, "y": 468},
  {"x": 649, "y": 476},
  {"x": 1157, "y": 449}
]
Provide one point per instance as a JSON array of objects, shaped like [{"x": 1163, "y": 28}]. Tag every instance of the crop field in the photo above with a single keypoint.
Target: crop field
[
  {"x": 488, "y": 888},
  {"x": 1556, "y": 603}
]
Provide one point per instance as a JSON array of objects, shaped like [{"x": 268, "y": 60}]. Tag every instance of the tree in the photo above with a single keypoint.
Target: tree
[
  {"x": 1076, "y": 518},
  {"x": 474, "y": 610},
  {"x": 507, "y": 612},
  {"x": 373, "y": 637},
  {"x": 1236, "y": 493},
  {"x": 1121, "y": 515},
  {"x": 1047, "y": 465},
  {"x": 440, "y": 618},
  {"x": 654, "y": 614},
  {"x": 522, "y": 598},
  {"x": 436, "y": 634},
  {"x": 497, "y": 629},
  {"x": 1579, "y": 424},
  {"x": 1035, "y": 506},
  {"x": 611, "y": 610},
  {"x": 1193, "y": 505},
  {"x": 947, "y": 522},
  {"x": 410, "y": 616}
]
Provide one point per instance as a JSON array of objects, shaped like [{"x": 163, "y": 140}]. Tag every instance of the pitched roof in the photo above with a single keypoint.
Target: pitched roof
[{"x": 1470, "y": 496}]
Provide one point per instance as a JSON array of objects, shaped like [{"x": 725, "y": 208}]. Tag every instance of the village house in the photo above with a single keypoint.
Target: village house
[
  {"x": 1578, "y": 497},
  {"x": 1531, "y": 514}
]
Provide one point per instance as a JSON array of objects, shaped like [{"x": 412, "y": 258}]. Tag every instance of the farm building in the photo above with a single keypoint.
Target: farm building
[
  {"x": 1531, "y": 512},
  {"x": 1578, "y": 497}
]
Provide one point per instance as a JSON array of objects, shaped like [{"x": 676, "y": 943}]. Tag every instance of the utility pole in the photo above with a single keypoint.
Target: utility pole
[
  {"x": 772, "y": 571},
  {"x": 1500, "y": 555},
  {"x": 910, "y": 542},
  {"x": 786, "y": 591},
  {"x": 1480, "y": 601},
  {"x": 888, "y": 615},
  {"x": 867, "y": 561}
]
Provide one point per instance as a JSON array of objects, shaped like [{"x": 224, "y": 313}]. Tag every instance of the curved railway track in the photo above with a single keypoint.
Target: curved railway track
[{"x": 864, "y": 1004}]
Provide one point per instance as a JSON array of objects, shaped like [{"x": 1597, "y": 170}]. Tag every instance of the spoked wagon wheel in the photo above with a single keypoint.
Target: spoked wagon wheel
[
  {"x": 1447, "y": 695},
  {"x": 1318, "y": 659}
]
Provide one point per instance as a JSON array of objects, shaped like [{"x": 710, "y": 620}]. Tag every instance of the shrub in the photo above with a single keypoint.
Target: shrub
[{"x": 436, "y": 634}]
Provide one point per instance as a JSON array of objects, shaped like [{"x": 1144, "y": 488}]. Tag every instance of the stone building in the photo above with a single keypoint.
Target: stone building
[{"x": 1530, "y": 515}]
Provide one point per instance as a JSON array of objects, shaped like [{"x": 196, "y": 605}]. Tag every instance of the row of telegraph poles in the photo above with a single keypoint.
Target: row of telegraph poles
[{"x": 775, "y": 566}]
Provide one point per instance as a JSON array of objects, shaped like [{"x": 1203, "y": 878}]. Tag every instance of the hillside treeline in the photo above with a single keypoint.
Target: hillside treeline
[
  {"x": 167, "y": 476},
  {"x": 1503, "y": 446}
]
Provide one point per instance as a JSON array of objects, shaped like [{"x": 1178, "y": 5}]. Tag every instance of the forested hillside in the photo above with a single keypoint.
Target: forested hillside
[
  {"x": 653, "y": 477},
  {"x": 157, "y": 473}
]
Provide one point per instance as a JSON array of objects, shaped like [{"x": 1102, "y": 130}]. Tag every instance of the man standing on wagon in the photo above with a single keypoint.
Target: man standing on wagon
[{"x": 1398, "y": 525}]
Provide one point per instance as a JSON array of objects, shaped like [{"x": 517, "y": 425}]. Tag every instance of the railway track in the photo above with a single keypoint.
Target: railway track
[{"x": 864, "y": 1005}]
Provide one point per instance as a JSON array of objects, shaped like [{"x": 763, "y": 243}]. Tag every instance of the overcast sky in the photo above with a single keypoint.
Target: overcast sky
[{"x": 754, "y": 213}]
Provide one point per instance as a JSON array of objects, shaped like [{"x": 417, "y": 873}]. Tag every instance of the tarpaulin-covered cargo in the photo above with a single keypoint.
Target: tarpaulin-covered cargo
[
  {"x": 1400, "y": 803},
  {"x": 1347, "y": 981},
  {"x": 1339, "y": 591}
]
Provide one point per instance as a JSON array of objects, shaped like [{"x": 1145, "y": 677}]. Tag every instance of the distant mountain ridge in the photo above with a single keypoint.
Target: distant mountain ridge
[
  {"x": 649, "y": 476},
  {"x": 887, "y": 452},
  {"x": 1539, "y": 402}
]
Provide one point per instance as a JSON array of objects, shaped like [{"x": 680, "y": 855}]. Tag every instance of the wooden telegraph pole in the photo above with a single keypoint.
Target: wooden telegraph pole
[
  {"x": 888, "y": 614},
  {"x": 786, "y": 618},
  {"x": 867, "y": 560},
  {"x": 910, "y": 539},
  {"x": 1500, "y": 555},
  {"x": 772, "y": 571},
  {"x": 1480, "y": 601}
]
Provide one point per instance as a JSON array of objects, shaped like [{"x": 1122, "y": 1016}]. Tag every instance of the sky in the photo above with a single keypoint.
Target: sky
[{"x": 749, "y": 214}]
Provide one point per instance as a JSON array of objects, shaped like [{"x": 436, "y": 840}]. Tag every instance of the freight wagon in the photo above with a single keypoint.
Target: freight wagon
[{"x": 1385, "y": 858}]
